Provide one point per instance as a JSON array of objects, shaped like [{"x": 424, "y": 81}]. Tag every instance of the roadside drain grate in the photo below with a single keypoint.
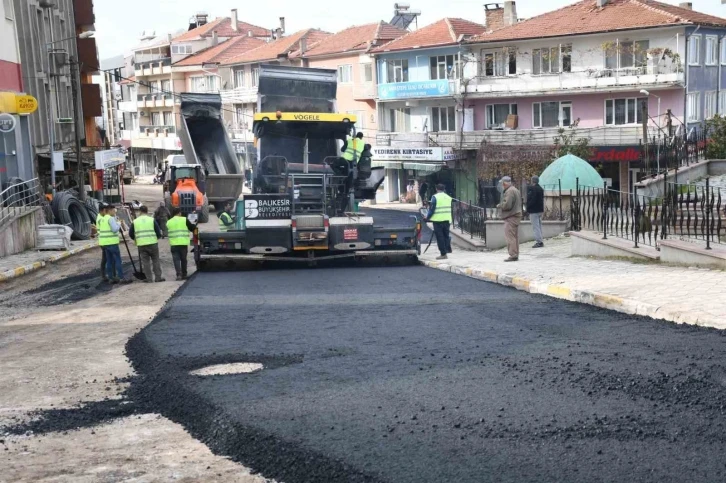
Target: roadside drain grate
[{"x": 223, "y": 369}]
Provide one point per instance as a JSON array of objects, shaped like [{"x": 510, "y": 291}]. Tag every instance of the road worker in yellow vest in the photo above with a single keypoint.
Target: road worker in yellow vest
[
  {"x": 353, "y": 149},
  {"x": 441, "y": 217},
  {"x": 225, "y": 218},
  {"x": 180, "y": 229},
  {"x": 145, "y": 231}
]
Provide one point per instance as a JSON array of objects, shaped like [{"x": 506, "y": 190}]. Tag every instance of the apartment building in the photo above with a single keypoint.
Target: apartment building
[
  {"x": 610, "y": 65},
  {"x": 158, "y": 83},
  {"x": 348, "y": 52},
  {"x": 419, "y": 78},
  {"x": 41, "y": 27},
  {"x": 240, "y": 74}
]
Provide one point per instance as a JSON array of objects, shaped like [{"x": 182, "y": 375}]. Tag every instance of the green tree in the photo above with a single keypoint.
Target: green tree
[
  {"x": 570, "y": 141},
  {"x": 716, "y": 147}
]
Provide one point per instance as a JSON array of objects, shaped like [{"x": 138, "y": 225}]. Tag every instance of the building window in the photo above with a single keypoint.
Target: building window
[
  {"x": 443, "y": 67},
  {"x": 552, "y": 114},
  {"x": 722, "y": 103},
  {"x": 156, "y": 119},
  {"x": 8, "y": 7},
  {"x": 367, "y": 72},
  {"x": 168, "y": 118},
  {"x": 709, "y": 109},
  {"x": 181, "y": 49},
  {"x": 239, "y": 77},
  {"x": 255, "y": 76},
  {"x": 624, "y": 111},
  {"x": 401, "y": 119},
  {"x": 497, "y": 115},
  {"x": 499, "y": 63},
  {"x": 546, "y": 61},
  {"x": 166, "y": 86},
  {"x": 694, "y": 50},
  {"x": 693, "y": 107},
  {"x": 207, "y": 83},
  {"x": 345, "y": 74},
  {"x": 443, "y": 119},
  {"x": 723, "y": 52},
  {"x": 711, "y": 50},
  {"x": 625, "y": 55},
  {"x": 397, "y": 70}
]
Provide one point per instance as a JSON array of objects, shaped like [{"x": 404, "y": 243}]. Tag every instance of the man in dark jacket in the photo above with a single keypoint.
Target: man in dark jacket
[{"x": 535, "y": 208}]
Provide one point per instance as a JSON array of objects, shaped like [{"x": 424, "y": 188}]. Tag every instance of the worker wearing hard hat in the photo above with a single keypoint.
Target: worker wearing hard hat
[{"x": 353, "y": 148}]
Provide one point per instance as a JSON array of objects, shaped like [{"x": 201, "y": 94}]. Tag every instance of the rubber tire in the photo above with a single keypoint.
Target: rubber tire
[
  {"x": 127, "y": 181},
  {"x": 204, "y": 215}
]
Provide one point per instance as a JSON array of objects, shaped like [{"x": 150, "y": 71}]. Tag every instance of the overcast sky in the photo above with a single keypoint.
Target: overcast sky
[{"x": 119, "y": 23}]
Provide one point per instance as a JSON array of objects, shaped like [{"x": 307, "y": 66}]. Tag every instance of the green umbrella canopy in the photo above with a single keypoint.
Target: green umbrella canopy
[{"x": 568, "y": 169}]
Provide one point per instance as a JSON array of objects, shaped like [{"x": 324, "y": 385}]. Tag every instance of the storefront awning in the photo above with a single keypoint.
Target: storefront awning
[
  {"x": 428, "y": 167},
  {"x": 387, "y": 164}
]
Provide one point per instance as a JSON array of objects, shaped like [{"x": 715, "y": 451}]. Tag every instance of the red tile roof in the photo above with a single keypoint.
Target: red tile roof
[
  {"x": 446, "y": 31},
  {"x": 280, "y": 47},
  {"x": 225, "y": 50},
  {"x": 586, "y": 17},
  {"x": 223, "y": 27},
  {"x": 356, "y": 38}
]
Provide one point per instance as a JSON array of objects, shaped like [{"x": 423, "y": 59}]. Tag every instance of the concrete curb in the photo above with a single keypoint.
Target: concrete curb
[
  {"x": 597, "y": 299},
  {"x": 32, "y": 267}
]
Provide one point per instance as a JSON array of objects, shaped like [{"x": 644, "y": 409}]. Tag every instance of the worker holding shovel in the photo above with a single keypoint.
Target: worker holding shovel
[{"x": 108, "y": 238}]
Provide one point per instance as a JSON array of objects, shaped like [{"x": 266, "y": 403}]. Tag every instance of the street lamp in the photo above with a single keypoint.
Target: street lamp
[
  {"x": 51, "y": 120},
  {"x": 646, "y": 93}
]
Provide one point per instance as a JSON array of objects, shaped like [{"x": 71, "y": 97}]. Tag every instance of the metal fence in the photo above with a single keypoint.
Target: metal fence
[
  {"x": 691, "y": 212},
  {"x": 664, "y": 153},
  {"x": 470, "y": 219},
  {"x": 20, "y": 197}
]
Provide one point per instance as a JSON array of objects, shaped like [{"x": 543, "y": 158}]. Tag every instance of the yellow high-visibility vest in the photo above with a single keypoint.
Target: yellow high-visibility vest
[
  {"x": 178, "y": 231},
  {"x": 442, "y": 210},
  {"x": 144, "y": 231},
  {"x": 106, "y": 237}
]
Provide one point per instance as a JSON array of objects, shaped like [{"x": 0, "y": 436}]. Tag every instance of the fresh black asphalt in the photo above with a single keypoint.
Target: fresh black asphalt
[{"x": 407, "y": 374}]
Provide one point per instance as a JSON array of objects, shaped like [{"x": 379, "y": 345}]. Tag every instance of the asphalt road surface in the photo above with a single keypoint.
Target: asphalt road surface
[{"x": 414, "y": 375}]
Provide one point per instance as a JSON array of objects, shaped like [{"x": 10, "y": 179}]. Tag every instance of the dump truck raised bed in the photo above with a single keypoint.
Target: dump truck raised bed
[
  {"x": 205, "y": 142},
  {"x": 304, "y": 194}
]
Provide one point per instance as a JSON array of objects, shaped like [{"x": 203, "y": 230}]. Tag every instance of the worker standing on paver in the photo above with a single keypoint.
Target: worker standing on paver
[
  {"x": 226, "y": 218},
  {"x": 511, "y": 209},
  {"x": 145, "y": 232},
  {"x": 353, "y": 149},
  {"x": 108, "y": 238},
  {"x": 440, "y": 215},
  {"x": 535, "y": 208},
  {"x": 179, "y": 229}
]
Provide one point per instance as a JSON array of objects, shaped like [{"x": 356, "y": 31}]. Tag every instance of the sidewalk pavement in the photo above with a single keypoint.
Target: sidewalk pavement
[
  {"x": 29, "y": 261},
  {"x": 678, "y": 294}
]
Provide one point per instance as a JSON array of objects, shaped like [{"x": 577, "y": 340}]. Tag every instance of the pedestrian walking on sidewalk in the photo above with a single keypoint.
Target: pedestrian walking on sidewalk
[
  {"x": 145, "y": 232},
  {"x": 108, "y": 239},
  {"x": 95, "y": 230},
  {"x": 440, "y": 215},
  {"x": 535, "y": 208},
  {"x": 162, "y": 215},
  {"x": 179, "y": 230},
  {"x": 511, "y": 212}
]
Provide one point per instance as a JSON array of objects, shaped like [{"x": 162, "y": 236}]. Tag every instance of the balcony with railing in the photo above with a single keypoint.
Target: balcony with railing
[
  {"x": 588, "y": 80},
  {"x": 128, "y": 106},
  {"x": 152, "y": 131},
  {"x": 153, "y": 67},
  {"x": 364, "y": 91},
  {"x": 239, "y": 95},
  {"x": 155, "y": 100},
  {"x": 599, "y": 136}
]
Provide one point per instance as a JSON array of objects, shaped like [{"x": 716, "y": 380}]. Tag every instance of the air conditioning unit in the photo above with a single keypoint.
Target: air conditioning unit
[
  {"x": 143, "y": 114},
  {"x": 118, "y": 96}
]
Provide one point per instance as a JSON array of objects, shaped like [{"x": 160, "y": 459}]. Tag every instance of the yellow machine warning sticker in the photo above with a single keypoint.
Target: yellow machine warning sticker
[{"x": 305, "y": 117}]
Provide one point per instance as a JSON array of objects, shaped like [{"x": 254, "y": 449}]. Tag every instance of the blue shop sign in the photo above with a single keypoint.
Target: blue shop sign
[{"x": 407, "y": 90}]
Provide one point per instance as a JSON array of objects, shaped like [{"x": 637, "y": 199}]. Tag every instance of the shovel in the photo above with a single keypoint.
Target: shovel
[
  {"x": 137, "y": 275},
  {"x": 424, "y": 213}
]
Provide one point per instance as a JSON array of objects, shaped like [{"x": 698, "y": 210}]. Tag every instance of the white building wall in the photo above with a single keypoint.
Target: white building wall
[{"x": 8, "y": 40}]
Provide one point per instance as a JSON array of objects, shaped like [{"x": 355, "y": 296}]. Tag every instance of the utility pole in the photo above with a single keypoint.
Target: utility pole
[{"x": 75, "y": 79}]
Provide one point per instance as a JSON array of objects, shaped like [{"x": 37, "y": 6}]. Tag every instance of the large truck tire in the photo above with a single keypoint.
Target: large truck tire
[{"x": 204, "y": 215}]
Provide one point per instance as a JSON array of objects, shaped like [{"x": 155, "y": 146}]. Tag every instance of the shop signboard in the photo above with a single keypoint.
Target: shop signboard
[{"x": 408, "y": 90}]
